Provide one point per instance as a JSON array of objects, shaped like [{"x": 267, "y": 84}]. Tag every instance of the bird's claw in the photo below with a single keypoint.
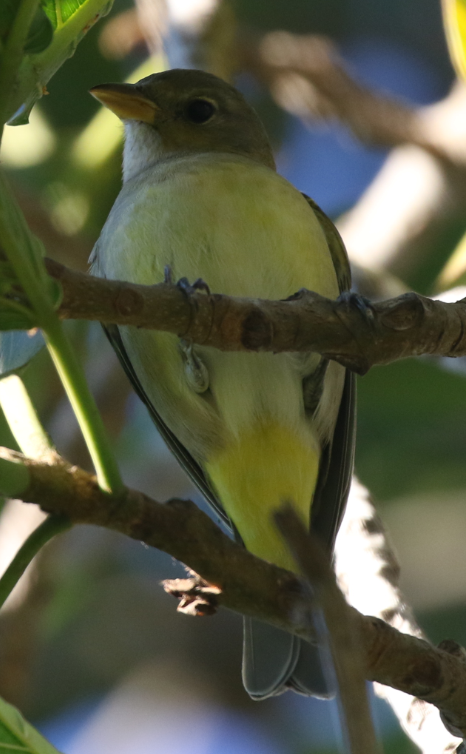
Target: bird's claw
[
  {"x": 198, "y": 285},
  {"x": 355, "y": 301},
  {"x": 201, "y": 285},
  {"x": 167, "y": 275},
  {"x": 183, "y": 283}
]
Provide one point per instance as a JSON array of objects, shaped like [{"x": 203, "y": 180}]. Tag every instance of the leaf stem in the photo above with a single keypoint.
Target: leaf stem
[
  {"x": 48, "y": 529},
  {"x": 23, "y": 420},
  {"x": 22, "y": 250},
  {"x": 82, "y": 402}
]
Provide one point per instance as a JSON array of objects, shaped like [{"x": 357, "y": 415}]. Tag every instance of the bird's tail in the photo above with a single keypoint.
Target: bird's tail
[{"x": 274, "y": 660}]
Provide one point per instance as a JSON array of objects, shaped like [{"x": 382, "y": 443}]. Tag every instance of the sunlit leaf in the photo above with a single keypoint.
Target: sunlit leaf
[
  {"x": 60, "y": 11},
  {"x": 17, "y": 735},
  {"x": 50, "y": 8},
  {"x": 454, "y": 19},
  {"x": 17, "y": 348}
]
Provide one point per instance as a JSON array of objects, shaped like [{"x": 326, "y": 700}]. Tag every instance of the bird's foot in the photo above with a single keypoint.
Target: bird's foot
[
  {"x": 354, "y": 301},
  {"x": 188, "y": 289},
  {"x": 183, "y": 283}
]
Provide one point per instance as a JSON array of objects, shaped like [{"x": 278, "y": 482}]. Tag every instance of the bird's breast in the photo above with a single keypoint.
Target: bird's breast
[
  {"x": 241, "y": 227},
  {"x": 246, "y": 232}
]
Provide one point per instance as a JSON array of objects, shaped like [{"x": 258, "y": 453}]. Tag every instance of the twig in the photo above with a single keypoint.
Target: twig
[
  {"x": 345, "y": 644},
  {"x": 409, "y": 325},
  {"x": 48, "y": 529},
  {"x": 369, "y": 575}
]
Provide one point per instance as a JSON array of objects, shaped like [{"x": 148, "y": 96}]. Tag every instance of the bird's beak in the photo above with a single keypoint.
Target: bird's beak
[{"x": 125, "y": 101}]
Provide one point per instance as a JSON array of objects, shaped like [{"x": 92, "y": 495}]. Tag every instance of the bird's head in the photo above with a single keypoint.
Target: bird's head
[{"x": 183, "y": 111}]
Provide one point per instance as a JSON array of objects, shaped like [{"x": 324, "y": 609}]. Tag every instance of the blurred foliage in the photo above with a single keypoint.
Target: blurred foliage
[
  {"x": 109, "y": 613},
  {"x": 17, "y": 734},
  {"x": 40, "y": 32},
  {"x": 411, "y": 429}
]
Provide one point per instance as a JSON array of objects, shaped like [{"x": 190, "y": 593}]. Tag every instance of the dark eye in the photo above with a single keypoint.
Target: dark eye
[{"x": 200, "y": 110}]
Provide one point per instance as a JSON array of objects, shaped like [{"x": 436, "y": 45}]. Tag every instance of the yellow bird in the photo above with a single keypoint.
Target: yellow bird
[{"x": 201, "y": 197}]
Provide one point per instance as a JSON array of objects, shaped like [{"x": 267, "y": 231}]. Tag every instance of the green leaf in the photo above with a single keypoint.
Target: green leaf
[
  {"x": 7, "y": 14},
  {"x": 10, "y": 319},
  {"x": 17, "y": 735},
  {"x": 41, "y": 30},
  {"x": 17, "y": 348},
  {"x": 22, "y": 250},
  {"x": 60, "y": 11},
  {"x": 454, "y": 20},
  {"x": 50, "y": 9},
  {"x": 40, "y": 33},
  {"x": 70, "y": 20}
]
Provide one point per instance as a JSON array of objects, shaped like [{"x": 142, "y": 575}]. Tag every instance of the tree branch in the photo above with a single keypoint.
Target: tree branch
[
  {"x": 341, "y": 632},
  {"x": 356, "y": 336},
  {"x": 368, "y": 574},
  {"x": 247, "y": 584},
  {"x": 307, "y": 76}
]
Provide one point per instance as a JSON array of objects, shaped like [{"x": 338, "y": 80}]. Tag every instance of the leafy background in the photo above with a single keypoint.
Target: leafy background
[{"x": 95, "y": 654}]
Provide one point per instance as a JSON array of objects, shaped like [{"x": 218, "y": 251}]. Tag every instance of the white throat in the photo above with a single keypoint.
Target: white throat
[{"x": 143, "y": 148}]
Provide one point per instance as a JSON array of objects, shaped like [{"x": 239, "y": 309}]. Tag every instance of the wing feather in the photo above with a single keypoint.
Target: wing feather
[
  {"x": 181, "y": 454},
  {"x": 336, "y": 466}
]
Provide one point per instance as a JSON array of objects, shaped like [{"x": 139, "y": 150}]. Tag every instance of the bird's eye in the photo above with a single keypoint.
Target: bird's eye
[{"x": 200, "y": 110}]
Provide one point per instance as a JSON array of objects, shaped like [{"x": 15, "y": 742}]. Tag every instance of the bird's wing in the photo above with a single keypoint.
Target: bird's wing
[
  {"x": 337, "y": 247},
  {"x": 336, "y": 468},
  {"x": 181, "y": 454},
  {"x": 336, "y": 465}
]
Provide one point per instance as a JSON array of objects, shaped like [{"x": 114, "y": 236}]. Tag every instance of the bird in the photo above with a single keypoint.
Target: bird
[{"x": 201, "y": 199}]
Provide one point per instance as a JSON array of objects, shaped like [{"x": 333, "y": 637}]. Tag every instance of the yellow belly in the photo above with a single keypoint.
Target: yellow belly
[{"x": 267, "y": 466}]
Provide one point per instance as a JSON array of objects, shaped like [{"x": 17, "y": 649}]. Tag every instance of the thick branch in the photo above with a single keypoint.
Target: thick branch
[
  {"x": 409, "y": 325},
  {"x": 248, "y": 585}
]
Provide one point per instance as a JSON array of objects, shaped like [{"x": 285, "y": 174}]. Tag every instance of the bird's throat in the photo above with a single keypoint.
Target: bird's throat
[{"x": 143, "y": 148}]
